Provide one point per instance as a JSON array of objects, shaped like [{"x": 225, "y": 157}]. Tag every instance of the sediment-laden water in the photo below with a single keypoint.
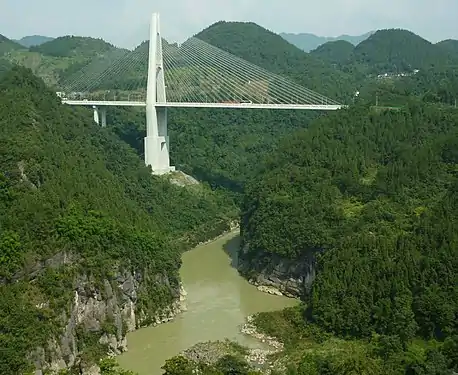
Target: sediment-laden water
[{"x": 218, "y": 301}]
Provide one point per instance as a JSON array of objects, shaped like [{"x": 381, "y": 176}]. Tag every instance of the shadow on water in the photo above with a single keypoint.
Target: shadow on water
[{"x": 231, "y": 248}]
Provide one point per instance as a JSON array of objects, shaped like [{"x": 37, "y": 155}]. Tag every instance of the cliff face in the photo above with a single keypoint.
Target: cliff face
[
  {"x": 101, "y": 313},
  {"x": 274, "y": 274}
]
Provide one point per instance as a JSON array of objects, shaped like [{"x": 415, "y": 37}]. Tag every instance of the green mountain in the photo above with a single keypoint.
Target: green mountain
[
  {"x": 221, "y": 146},
  {"x": 308, "y": 42},
  {"x": 63, "y": 57},
  {"x": 270, "y": 51},
  {"x": 73, "y": 46},
  {"x": 7, "y": 45},
  {"x": 336, "y": 52},
  {"x": 450, "y": 45},
  {"x": 392, "y": 65},
  {"x": 357, "y": 214},
  {"x": 33, "y": 40},
  {"x": 398, "y": 51},
  {"x": 80, "y": 215},
  {"x": 355, "y": 211}
]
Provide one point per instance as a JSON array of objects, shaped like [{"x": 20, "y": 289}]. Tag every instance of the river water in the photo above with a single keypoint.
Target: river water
[{"x": 218, "y": 301}]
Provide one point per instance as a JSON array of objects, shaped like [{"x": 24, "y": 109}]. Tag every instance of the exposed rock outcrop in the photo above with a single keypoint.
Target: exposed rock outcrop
[
  {"x": 103, "y": 313},
  {"x": 259, "y": 356},
  {"x": 274, "y": 274}
]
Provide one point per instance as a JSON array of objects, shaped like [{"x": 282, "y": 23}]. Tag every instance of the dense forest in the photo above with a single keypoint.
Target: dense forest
[
  {"x": 270, "y": 51},
  {"x": 373, "y": 196},
  {"x": 451, "y": 46},
  {"x": 369, "y": 193},
  {"x": 221, "y": 146},
  {"x": 68, "y": 46},
  {"x": 69, "y": 188},
  {"x": 392, "y": 65},
  {"x": 398, "y": 50},
  {"x": 337, "y": 52}
]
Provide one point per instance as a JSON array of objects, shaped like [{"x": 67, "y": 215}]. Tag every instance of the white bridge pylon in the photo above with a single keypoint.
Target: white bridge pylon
[
  {"x": 197, "y": 75},
  {"x": 157, "y": 139}
]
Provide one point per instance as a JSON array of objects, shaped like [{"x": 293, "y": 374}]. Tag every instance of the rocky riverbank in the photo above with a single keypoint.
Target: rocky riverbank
[
  {"x": 259, "y": 357},
  {"x": 177, "y": 307},
  {"x": 108, "y": 310}
]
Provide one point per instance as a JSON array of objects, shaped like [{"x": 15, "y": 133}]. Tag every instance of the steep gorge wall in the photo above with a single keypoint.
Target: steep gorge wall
[
  {"x": 275, "y": 274},
  {"x": 101, "y": 312}
]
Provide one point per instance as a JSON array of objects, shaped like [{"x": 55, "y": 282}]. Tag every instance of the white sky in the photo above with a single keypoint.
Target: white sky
[{"x": 124, "y": 22}]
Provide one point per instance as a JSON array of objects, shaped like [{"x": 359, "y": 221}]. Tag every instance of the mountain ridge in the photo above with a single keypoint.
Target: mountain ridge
[
  {"x": 8, "y": 45},
  {"x": 308, "y": 41},
  {"x": 264, "y": 48},
  {"x": 33, "y": 40}
]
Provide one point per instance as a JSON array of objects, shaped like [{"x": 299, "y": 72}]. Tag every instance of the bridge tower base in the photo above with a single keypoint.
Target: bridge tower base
[
  {"x": 157, "y": 139},
  {"x": 100, "y": 114}
]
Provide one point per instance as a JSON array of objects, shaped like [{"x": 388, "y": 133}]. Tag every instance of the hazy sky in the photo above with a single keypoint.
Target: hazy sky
[{"x": 124, "y": 22}]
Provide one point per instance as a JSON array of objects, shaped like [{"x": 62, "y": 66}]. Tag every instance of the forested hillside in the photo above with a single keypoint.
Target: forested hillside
[
  {"x": 33, "y": 40},
  {"x": 68, "y": 46},
  {"x": 337, "y": 52},
  {"x": 58, "y": 59},
  {"x": 80, "y": 212},
  {"x": 7, "y": 45},
  {"x": 222, "y": 146},
  {"x": 391, "y": 66},
  {"x": 450, "y": 45},
  {"x": 368, "y": 196},
  {"x": 372, "y": 196},
  {"x": 270, "y": 51},
  {"x": 218, "y": 146},
  {"x": 398, "y": 51}
]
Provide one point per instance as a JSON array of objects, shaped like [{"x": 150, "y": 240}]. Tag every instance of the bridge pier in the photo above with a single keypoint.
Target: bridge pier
[
  {"x": 100, "y": 114},
  {"x": 157, "y": 139}
]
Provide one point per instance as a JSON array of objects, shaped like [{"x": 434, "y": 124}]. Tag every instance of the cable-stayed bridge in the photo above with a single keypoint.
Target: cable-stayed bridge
[{"x": 195, "y": 74}]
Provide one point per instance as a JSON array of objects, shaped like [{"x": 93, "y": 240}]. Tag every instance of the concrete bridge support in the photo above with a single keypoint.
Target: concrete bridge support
[
  {"x": 100, "y": 115},
  {"x": 157, "y": 139}
]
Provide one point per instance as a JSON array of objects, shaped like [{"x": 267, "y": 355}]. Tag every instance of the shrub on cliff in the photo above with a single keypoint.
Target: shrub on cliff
[
  {"x": 74, "y": 200},
  {"x": 373, "y": 196}
]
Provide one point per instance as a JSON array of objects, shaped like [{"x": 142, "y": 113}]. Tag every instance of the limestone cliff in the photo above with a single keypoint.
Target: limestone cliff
[
  {"x": 101, "y": 312},
  {"x": 272, "y": 273}
]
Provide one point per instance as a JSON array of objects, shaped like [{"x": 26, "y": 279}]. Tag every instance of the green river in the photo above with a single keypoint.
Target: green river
[{"x": 218, "y": 301}]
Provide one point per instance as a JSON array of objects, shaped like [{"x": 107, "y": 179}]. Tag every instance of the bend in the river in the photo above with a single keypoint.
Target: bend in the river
[{"x": 218, "y": 301}]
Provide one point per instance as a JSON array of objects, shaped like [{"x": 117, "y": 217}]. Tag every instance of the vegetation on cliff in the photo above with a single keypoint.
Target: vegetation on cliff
[
  {"x": 374, "y": 197},
  {"x": 74, "y": 200},
  {"x": 310, "y": 350},
  {"x": 372, "y": 194}
]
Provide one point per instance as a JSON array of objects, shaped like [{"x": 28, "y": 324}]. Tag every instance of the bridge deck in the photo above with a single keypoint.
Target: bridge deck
[{"x": 99, "y": 103}]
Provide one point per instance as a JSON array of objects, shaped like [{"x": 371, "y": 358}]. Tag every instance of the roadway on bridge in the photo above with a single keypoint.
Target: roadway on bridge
[{"x": 99, "y": 103}]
